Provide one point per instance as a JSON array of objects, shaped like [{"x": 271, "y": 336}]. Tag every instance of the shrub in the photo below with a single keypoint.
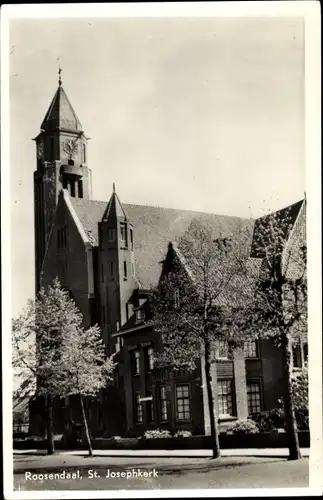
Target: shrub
[
  {"x": 271, "y": 419},
  {"x": 244, "y": 427},
  {"x": 183, "y": 434},
  {"x": 157, "y": 433}
]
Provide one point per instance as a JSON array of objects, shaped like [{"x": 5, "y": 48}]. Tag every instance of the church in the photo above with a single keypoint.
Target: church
[{"x": 109, "y": 255}]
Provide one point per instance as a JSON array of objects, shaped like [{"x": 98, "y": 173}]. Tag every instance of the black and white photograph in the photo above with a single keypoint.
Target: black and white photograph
[{"x": 161, "y": 249}]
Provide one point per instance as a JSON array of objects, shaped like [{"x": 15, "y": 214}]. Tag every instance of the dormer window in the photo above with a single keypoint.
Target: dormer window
[
  {"x": 123, "y": 235},
  {"x": 140, "y": 315}
]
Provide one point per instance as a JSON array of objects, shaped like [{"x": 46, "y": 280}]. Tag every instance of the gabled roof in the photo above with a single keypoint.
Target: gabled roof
[
  {"x": 154, "y": 228},
  {"x": 287, "y": 216},
  {"x": 61, "y": 114}
]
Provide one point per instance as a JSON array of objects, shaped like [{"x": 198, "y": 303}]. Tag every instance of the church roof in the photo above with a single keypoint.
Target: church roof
[
  {"x": 154, "y": 228},
  {"x": 61, "y": 114}
]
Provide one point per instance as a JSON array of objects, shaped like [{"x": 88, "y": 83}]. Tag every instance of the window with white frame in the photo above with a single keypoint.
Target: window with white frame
[
  {"x": 136, "y": 362},
  {"x": 123, "y": 235},
  {"x": 222, "y": 349},
  {"x": 140, "y": 315},
  {"x": 225, "y": 397},
  {"x": 138, "y": 408},
  {"x": 163, "y": 403},
  {"x": 251, "y": 349},
  {"x": 150, "y": 358},
  {"x": 183, "y": 408},
  {"x": 253, "y": 397}
]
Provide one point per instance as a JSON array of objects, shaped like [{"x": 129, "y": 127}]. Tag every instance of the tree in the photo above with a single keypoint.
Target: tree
[
  {"x": 36, "y": 333},
  {"x": 279, "y": 307},
  {"x": 85, "y": 368},
  {"x": 51, "y": 349},
  {"x": 203, "y": 281}
]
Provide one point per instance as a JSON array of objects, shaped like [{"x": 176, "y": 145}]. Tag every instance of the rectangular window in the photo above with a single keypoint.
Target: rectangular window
[
  {"x": 163, "y": 403},
  {"x": 131, "y": 239},
  {"x": 80, "y": 189},
  {"x": 297, "y": 356},
  {"x": 111, "y": 234},
  {"x": 150, "y": 359},
  {"x": 125, "y": 272},
  {"x": 140, "y": 315},
  {"x": 251, "y": 349},
  {"x": 136, "y": 362},
  {"x": 123, "y": 235},
  {"x": 254, "y": 397},
  {"x": 84, "y": 153},
  {"x": 222, "y": 349},
  {"x": 73, "y": 189},
  {"x": 305, "y": 352},
  {"x": 138, "y": 408},
  {"x": 183, "y": 410},
  {"x": 225, "y": 397},
  {"x": 64, "y": 183}
]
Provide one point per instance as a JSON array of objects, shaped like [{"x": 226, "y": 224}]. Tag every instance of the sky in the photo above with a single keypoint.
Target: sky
[{"x": 191, "y": 113}]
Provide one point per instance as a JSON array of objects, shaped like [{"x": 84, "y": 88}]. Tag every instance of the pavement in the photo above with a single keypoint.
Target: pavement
[
  {"x": 243, "y": 452},
  {"x": 160, "y": 470}
]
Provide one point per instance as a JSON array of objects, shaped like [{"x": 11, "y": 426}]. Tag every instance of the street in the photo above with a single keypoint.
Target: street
[{"x": 70, "y": 472}]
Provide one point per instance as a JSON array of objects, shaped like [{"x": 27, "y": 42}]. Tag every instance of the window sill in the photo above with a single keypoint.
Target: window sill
[
  {"x": 226, "y": 418},
  {"x": 253, "y": 359}
]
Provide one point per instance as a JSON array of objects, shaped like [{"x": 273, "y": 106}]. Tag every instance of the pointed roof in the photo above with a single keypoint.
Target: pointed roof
[
  {"x": 61, "y": 114},
  {"x": 114, "y": 208}
]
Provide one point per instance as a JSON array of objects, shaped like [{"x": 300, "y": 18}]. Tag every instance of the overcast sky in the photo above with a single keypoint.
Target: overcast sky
[{"x": 204, "y": 114}]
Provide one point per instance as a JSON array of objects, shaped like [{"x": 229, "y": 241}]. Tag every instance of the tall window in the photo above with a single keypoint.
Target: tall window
[
  {"x": 84, "y": 153},
  {"x": 163, "y": 403},
  {"x": 183, "y": 410},
  {"x": 80, "y": 189},
  {"x": 111, "y": 234},
  {"x": 125, "y": 270},
  {"x": 111, "y": 268},
  {"x": 297, "y": 356},
  {"x": 251, "y": 349},
  {"x": 225, "y": 397},
  {"x": 138, "y": 408},
  {"x": 131, "y": 239},
  {"x": 254, "y": 398},
  {"x": 73, "y": 189},
  {"x": 150, "y": 358},
  {"x": 123, "y": 235},
  {"x": 305, "y": 352},
  {"x": 222, "y": 349},
  {"x": 136, "y": 362}
]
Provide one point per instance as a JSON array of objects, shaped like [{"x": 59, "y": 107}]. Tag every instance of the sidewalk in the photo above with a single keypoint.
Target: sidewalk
[{"x": 244, "y": 452}]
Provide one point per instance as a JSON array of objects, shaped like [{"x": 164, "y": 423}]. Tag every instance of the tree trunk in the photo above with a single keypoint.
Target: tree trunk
[
  {"x": 294, "y": 449},
  {"x": 212, "y": 413},
  {"x": 86, "y": 428},
  {"x": 49, "y": 425}
]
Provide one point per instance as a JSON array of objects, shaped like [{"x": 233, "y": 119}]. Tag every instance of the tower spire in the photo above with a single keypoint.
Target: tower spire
[
  {"x": 59, "y": 76},
  {"x": 114, "y": 187}
]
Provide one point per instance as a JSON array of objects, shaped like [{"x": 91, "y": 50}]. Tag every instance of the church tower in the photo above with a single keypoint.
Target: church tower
[
  {"x": 117, "y": 268},
  {"x": 61, "y": 164}
]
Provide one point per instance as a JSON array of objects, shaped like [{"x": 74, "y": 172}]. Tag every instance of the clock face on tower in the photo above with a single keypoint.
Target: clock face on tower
[{"x": 70, "y": 147}]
